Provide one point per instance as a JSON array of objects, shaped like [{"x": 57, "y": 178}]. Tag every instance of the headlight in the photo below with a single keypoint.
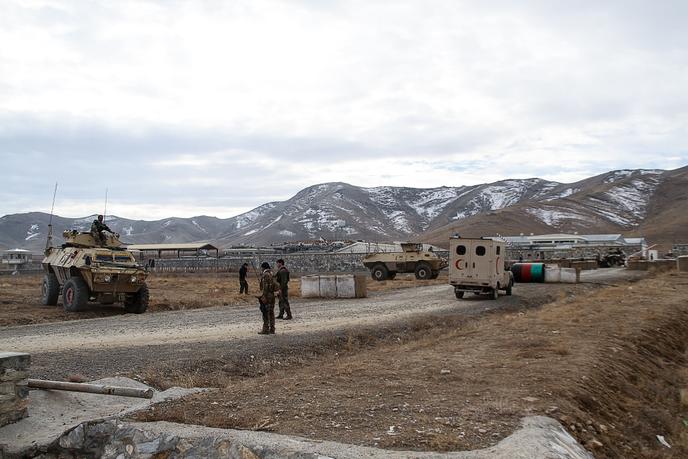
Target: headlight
[
  {"x": 107, "y": 278},
  {"x": 133, "y": 279}
]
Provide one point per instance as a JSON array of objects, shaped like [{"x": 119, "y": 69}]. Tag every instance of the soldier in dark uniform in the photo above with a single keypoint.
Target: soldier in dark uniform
[
  {"x": 268, "y": 287},
  {"x": 282, "y": 278},
  {"x": 243, "y": 283},
  {"x": 97, "y": 228}
]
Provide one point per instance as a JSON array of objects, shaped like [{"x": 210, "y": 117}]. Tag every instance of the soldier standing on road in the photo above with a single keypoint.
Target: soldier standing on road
[
  {"x": 243, "y": 283},
  {"x": 97, "y": 228},
  {"x": 283, "y": 281},
  {"x": 268, "y": 287}
]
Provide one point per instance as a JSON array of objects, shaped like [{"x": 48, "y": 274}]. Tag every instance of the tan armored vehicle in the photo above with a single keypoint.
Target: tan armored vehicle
[
  {"x": 477, "y": 266},
  {"x": 85, "y": 270},
  {"x": 413, "y": 259}
]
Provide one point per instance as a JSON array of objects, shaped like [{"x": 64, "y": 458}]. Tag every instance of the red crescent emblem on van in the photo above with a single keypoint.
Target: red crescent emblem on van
[{"x": 458, "y": 264}]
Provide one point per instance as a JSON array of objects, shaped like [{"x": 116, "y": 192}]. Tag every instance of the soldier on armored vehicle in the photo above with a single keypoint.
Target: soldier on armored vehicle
[{"x": 97, "y": 228}]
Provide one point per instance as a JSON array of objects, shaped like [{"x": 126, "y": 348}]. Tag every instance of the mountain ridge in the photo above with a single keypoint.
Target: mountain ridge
[{"x": 626, "y": 201}]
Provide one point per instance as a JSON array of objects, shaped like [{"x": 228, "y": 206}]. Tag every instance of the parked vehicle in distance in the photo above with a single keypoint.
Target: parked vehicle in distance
[
  {"x": 425, "y": 264},
  {"x": 477, "y": 266}
]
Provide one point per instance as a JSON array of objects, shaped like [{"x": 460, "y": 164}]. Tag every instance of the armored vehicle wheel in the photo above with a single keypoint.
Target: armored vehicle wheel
[
  {"x": 392, "y": 275},
  {"x": 508, "y": 289},
  {"x": 435, "y": 275},
  {"x": 423, "y": 271},
  {"x": 50, "y": 290},
  {"x": 459, "y": 294},
  {"x": 74, "y": 294},
  {"x": 379, "y": 272},
  {"x": 495, "y": 293},
  {"x": 137, "y": 303}
]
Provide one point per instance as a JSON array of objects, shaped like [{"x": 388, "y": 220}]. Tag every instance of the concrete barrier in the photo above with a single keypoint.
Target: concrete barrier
[
  {"x": 555, "y": 274},
  {"x": 334, "y": 286},
  {"x": 637, "y": 265},
  {"x": 352, "y": 286},
  {"x": 682, "y": 263},
  {"x": 310, "y": 286},
  {"x": 328, "y": 286},
  {"x": 662, "y": 265}
]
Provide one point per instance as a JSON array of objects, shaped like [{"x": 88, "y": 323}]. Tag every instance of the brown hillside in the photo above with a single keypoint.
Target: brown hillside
[{"x": 667, "y": 219}]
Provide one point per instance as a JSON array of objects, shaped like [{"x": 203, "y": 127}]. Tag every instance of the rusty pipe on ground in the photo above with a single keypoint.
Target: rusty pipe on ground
[{"x": 91, "y": 388}]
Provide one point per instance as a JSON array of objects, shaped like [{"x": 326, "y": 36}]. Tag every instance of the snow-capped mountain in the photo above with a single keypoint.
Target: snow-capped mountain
[{"x": 619, "y": 201}]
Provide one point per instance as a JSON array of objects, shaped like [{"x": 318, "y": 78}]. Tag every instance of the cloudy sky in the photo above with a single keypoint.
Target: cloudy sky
[{"x": 183, "y": 108}]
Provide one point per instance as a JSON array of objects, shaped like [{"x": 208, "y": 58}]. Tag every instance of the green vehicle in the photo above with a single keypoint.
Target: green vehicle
[{"x": 83, "y": 270}]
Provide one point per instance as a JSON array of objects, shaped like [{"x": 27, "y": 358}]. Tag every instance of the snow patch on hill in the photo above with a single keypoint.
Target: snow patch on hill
[
  {"x": 554, "y": 217},
  {"x": 32, "y": 232},
  {"x": 195, "y": 223}
]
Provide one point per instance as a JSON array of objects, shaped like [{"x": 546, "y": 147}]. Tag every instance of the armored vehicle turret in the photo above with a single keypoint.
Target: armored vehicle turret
[{"x": 84, "y": 269}]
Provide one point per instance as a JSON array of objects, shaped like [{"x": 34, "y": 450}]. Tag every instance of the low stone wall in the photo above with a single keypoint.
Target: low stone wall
[
  {"x": 538, "y": 437},
  {"x": 14, "y": 392},
  {"x": 298, "y": 263}
]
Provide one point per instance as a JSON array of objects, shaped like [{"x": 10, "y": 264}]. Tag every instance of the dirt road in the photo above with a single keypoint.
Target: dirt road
[{"x": 126, "y": 344}]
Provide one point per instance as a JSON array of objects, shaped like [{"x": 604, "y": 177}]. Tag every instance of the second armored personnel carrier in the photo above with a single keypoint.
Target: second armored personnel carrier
[
  {"x": 85, "y": 270},
  {"x": 425, "y": 264}
]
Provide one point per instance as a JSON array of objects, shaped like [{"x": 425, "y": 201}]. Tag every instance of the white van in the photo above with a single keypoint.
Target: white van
[{"x": 477, "y": 266}]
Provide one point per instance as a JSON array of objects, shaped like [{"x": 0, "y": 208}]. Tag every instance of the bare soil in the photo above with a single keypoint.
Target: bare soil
[
  {"x": 408, "y": 368},
  {"x": 610, "y": 364}
]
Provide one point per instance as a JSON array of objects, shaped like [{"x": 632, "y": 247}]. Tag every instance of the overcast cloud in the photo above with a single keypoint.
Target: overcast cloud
[{"x": 183, "y": 108}]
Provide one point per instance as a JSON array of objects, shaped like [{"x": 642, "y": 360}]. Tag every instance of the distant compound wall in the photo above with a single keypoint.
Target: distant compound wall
[
  {"x": 553, "y": 253},
  {"x": 298, "y": 263}
]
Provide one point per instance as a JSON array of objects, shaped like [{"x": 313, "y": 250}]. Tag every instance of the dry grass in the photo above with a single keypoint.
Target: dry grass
[{"x": 613, "y": 376}]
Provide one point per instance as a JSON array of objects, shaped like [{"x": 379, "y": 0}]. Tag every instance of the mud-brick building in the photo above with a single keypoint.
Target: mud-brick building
[{"x": 571, "y": 246}]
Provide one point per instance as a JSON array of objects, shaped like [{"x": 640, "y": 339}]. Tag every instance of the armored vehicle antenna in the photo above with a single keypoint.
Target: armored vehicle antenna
[
  {"x": 49, "y": 240},
  {"x": 105, "y": 209}
]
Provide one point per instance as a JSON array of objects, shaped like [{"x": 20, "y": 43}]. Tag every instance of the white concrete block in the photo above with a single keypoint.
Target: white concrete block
[
  {"x": 310, "y": 286},
  {"x": 552, "y": 273},
  {"x": 346, "y": 286},
  {"x": 328, "y": 286},
  {"x": 569, "y": 276}
]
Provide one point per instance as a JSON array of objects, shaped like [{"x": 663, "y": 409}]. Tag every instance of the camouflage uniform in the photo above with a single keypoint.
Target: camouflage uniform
[
  {"x": 282, "y": 277},
  {"x": 267, "y": 301},
  {"x": 97, "y": 228}
]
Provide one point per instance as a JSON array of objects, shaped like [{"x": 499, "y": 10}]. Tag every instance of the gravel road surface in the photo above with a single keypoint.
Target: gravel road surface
[{"x": 130, "y": 343}]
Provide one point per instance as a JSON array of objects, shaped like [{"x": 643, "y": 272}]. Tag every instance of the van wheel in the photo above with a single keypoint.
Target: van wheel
[
  {"x": 379, "y": 272},
  {"x": 508, "y": 289},
  {"x": 423, "y": 271},
  {"x": 74, "y": 295},
  {"x": 137, "y": 303},
  {"x": 459, "y": 294},
  {"x": 495, "y": 293},
  {"x": 50, "y": 290}
]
